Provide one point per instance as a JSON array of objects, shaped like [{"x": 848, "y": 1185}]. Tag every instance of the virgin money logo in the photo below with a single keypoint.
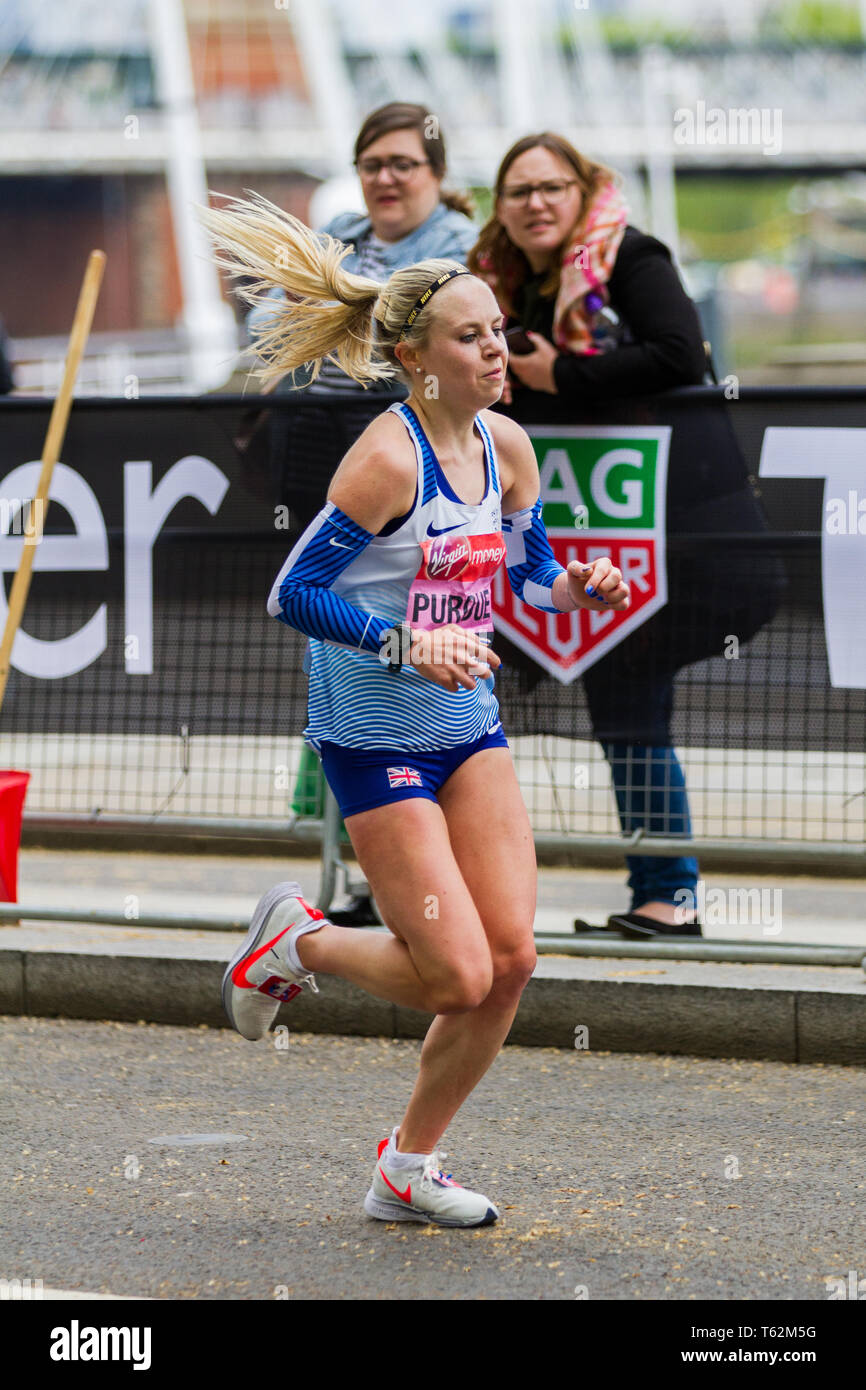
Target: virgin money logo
[{"x": 448, "y": 557}]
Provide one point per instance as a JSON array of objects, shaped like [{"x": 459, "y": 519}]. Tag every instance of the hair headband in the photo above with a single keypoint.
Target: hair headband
[{"x": 427, "y": 295}]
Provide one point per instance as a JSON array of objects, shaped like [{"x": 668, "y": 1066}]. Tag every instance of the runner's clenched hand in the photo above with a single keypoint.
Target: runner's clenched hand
[
  {"x": 452, "y": 657},
  {"x": 597, "y": 585}
]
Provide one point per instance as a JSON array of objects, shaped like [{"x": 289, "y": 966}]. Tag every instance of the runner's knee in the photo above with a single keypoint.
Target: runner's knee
[
  {"x": 513, "y": 969},
  {"x": 461, "y": 990}
]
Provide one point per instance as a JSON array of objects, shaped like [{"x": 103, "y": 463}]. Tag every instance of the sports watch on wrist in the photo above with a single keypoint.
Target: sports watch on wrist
[{"x": 395, "y": 648}]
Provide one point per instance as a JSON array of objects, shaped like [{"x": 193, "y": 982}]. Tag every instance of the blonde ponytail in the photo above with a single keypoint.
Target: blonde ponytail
[{"x": 327, "y": 311}]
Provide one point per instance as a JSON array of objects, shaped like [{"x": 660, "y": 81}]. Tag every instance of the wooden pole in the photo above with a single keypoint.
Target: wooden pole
[{"x": 50, "y": 453}]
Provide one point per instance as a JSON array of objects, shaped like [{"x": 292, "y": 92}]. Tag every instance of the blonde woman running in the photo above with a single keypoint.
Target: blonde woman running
[{"x": 391, "y": 583}]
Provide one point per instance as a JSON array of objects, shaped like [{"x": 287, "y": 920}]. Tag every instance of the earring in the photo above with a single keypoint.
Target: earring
[{"x": 417, "y": 369}]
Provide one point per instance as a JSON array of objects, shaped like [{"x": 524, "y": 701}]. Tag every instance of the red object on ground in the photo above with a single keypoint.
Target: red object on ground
[{"x": 13, "y": 788}]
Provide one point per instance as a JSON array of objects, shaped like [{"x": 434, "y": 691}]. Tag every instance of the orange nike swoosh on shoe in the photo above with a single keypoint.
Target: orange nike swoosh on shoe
[
  {"x": 239, "y": 974},
  {"x": 404, "y": 1196}
]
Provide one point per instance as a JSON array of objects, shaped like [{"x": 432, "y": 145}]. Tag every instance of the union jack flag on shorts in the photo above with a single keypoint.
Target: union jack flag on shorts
[{"x": 404, "y": 777}]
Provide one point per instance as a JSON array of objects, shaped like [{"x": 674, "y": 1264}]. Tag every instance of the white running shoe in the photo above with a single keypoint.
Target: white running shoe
[
  {"x": 423, "y": 1192},
  {"x": 265, "y": 971}
]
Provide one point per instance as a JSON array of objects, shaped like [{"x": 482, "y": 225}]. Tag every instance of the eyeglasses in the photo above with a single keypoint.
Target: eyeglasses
[
  {"x": 399, "y": 167},
  {"x": 553, "y": 191}
]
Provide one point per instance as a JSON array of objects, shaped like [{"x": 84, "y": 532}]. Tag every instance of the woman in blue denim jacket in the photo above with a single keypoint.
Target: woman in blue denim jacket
[{"x": 400, "y": 159}]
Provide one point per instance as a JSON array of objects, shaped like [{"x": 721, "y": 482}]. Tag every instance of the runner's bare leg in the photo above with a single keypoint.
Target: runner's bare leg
[{"x": 476, "y": 850}]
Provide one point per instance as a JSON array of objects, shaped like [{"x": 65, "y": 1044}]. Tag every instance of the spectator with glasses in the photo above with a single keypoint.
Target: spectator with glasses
[
  {"x": 400, "y": 160},
  {"x": 565, "y": 264},
  {"x": 606, "y": 315},
  {"x": 401, "y": 164}
]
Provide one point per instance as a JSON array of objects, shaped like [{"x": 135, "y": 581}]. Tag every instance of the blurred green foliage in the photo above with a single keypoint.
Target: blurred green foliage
[
  {"x": 813, "y": 21},
  {"x": 789, "y": 23},
  {"x": 731, "y": 219}
]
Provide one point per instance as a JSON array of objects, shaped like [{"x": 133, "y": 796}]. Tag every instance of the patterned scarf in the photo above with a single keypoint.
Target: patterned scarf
[{"x": 587, "y": 265}]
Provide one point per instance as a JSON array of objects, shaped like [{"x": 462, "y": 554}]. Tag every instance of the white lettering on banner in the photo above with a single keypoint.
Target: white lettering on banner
[
  {"x": 623, "y": 517},
  {"x": 145, "y": 512},
  {"x": 144, "y": 515},
  {"x": 559, "y": 483},
  {"x": 837, "y": 455},
  {"x": 558, "y": 465},
  {"x": 87, "y": 549},
  {"x": 598, "y": 621},
  {"x": 563, "y": 647},
  {"x": 632, "y": 488},
  {"x": 527, "y": 616},
  {"x": 635, "y": 566}
]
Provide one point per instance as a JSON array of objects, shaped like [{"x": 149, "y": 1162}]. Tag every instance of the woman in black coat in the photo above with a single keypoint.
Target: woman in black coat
[{"x": 606, "y": 317}]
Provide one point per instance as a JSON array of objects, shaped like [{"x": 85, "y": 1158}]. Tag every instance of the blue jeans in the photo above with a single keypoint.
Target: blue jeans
[
  {"x": 631, "y": 707},
  {"x": 651, "y": 793}
]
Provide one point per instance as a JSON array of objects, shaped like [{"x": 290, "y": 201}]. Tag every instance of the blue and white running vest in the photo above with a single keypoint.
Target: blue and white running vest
[{"x": 430, "y": 567}]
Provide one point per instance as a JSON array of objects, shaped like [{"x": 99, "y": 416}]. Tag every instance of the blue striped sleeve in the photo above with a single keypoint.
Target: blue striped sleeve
[
  {"x": 531, "y": 564},
  {"x": 301, "y": 596}
]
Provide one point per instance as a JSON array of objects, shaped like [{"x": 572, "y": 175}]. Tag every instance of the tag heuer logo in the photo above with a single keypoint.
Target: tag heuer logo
[{"x": 603, "y": 492}]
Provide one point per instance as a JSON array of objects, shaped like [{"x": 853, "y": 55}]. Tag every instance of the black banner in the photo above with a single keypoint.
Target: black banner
[{"x": 170, "y": 519}]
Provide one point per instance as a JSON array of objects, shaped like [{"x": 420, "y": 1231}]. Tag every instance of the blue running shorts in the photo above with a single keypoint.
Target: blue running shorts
[{"x": 363, "y": 778}]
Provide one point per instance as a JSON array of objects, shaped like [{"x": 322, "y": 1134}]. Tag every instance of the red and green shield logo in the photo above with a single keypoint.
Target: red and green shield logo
[{"x": 603, "y": 492}]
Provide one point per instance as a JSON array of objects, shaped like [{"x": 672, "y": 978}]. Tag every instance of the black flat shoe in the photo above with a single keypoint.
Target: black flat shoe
[
  {"x": 358, "y": 912},
  {"x": 588, "y": 927},
  {"x": 641, "y": 928}
]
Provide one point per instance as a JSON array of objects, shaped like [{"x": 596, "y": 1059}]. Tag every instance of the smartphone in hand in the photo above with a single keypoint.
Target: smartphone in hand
[{"x": 518, "y": 342}]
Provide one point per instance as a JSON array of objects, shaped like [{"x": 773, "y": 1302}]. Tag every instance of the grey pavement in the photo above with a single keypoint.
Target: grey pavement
[{"x": 618, "y": 1176}]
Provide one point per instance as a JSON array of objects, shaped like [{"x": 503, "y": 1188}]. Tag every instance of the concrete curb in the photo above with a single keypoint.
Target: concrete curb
[{"x": 773, "y": 1012}]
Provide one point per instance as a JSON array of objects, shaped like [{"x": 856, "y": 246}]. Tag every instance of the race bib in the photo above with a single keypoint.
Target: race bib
[{"x": 453, "y": 582}]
